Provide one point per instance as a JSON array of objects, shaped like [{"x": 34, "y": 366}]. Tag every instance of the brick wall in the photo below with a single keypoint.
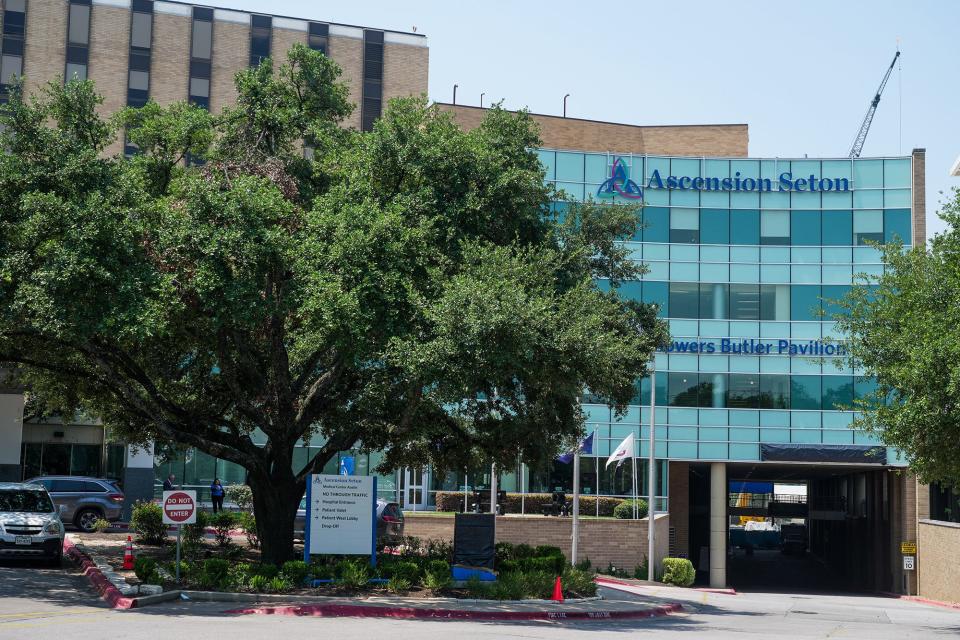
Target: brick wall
[
  {"x": 404, "y": 70},
  {"x": 919, "y": 196},
  {"x": 622, "y": 543},
  {"x": 348, "y": 53},
  {"x": 587, "y": 135},
  {"x": 282, "y": 41},
  {"x": 679, "y": 493},
  {"x": 938, "y": 560},
  {"x": 109, "y": 53},
  {"x": 44, "y": 56},
  {"x": 231, "y": 53},
  {"x": 170, "y": 58}
]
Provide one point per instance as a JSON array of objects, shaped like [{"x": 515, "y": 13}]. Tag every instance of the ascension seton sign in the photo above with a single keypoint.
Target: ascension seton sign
[{"x": 341, "y": 514}]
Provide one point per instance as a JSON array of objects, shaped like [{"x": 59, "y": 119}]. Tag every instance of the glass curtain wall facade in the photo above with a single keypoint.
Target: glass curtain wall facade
[{"x": 748, "y": 279}]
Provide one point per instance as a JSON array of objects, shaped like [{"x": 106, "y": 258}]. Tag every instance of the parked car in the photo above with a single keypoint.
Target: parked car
[
  {"x": 30, "y": 525},
  {"x": 389, "y": 522},
  {"x": 86, "y": 499}
]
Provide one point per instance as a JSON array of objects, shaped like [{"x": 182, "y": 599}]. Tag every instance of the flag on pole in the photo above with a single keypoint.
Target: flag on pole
[
  {"x": 585, "y": 446},
  {"x": 622, "y": 452}
]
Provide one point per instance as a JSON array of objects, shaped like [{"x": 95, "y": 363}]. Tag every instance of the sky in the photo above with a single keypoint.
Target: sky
[{"x": 801, "y": 75}]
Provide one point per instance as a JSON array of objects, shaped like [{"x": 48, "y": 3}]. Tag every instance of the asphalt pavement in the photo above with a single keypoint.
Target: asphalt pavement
[{"x": 58, "y": 603}]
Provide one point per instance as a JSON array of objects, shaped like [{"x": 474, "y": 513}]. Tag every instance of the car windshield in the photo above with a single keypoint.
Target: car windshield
[
  {"x": 303, "y": 504},
  {"x": 25, "y": 501}
]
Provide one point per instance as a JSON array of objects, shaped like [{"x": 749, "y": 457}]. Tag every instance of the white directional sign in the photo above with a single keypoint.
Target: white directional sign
[{"x": 341, "y": 515}]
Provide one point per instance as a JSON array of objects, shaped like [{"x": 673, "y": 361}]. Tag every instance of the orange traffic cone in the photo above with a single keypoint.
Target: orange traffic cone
[
  {"x": 557, "y": 591},
  {"x": 128, "y": 554}
]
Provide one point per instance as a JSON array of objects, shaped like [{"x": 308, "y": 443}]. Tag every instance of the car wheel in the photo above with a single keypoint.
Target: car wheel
[{"x": 86, "y": 520}]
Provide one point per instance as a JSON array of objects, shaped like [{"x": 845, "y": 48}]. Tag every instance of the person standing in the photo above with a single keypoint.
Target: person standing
[
  {"x": 216, "y": 495},
  {"x": 168, "y": 483}
]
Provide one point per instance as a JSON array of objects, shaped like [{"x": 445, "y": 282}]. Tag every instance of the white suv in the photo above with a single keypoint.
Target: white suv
[{"x": 30, "y": 525}]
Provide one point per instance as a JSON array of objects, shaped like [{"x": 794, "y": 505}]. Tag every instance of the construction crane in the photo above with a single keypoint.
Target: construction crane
[{"x": 867, "y": 119}]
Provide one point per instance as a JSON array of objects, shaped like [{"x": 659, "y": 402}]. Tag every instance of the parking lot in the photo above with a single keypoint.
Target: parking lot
[{"x": 38, "y": 602}]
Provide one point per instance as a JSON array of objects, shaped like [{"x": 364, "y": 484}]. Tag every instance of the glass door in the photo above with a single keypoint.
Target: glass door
[{"x": 415, "y": 489}]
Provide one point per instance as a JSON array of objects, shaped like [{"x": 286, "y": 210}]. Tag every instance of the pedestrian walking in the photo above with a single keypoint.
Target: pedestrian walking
[
  {"x": 216, "y": 495},
  {"x": 168, "y": 483}
]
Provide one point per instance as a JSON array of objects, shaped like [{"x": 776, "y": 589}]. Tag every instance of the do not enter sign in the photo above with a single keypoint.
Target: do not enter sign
[{"x": 179, "y": 507}]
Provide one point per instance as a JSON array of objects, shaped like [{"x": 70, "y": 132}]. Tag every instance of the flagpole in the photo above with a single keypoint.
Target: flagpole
[
  {"x": 596, "y": 470},
  {"x": 576, "y": 506},
  {"x": 652, "y": 473}
]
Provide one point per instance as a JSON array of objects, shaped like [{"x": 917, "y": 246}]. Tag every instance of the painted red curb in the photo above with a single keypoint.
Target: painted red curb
[
  {"x": 921, "y": 600},
  {"x": 107, "y": 591},
  {"x": 361, "y": 611}
]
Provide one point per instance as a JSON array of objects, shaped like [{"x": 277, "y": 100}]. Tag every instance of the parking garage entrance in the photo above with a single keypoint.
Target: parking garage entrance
[{"x": 799, "y": 527}]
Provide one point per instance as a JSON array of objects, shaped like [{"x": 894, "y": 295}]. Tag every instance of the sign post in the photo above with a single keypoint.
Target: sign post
[
  {"x": 179, "y": 508},
  {"x": 341, "y": 516}
]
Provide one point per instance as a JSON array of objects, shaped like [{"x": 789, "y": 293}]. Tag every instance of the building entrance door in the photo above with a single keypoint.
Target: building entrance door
[{"x": 415, "y": 489}]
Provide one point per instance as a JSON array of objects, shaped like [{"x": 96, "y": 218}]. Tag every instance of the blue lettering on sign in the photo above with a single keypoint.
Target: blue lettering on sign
[
  {"x": 785, "y": 182},
  {"x": 752, "y": 346}
]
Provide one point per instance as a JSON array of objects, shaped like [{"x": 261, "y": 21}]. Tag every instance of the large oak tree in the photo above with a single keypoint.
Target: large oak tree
[{"x": 411, "y": 289}]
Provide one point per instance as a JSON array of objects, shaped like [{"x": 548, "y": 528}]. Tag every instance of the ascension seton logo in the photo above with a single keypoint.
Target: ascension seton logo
[{"x": 619, "y": 183}]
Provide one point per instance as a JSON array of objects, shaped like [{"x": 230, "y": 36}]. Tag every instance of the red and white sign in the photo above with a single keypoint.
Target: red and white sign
[{"x": 179, "y": 507}]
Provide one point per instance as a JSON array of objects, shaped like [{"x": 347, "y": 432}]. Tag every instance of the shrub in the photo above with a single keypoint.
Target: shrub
[
  {"x": 584, "y": 565},
  {"x": 678, "y": 571},
  {"x": 248, "y": 523},
  {"x": 279, "y": 584},
  {"x": 296, "y": 571},
  {"x": 439, "y": 549},
  {"x": 215, "y": 573},
  {"x": 101, "y": 525},
  {"x": 438, "y": 575},
  {"x": 147, "y": 521},
  {"x": 539, "y": 583},
  {"x": 616, "y": 572},
  {"x": 322, "y": 571},
  {"x": 476, "y": 588},
  {"x": 240, "y": 495},
  {"x": 267, "y": 570},
  {"x": 407, "y": 570},
  {"x": 186, "y": 569},
  {"x": 509, "y": 586},
  {"x": 624, "y": 511},
  {"x": 398, "y": 584},
  {"x": 579, "y": 582},
  {"x": 146, "y": 570},
  {"x": 259, "y": 583},
  {"x": 354, "y": 574},
  {"x": 522, "y": 551},
  {"x": 547, "y": 551},
  {"x": 193, "y": 533},
  {"x": 222, "y": 523},
  {"x": 239, "y": 574},
  {"x": 503, "y": 551}
]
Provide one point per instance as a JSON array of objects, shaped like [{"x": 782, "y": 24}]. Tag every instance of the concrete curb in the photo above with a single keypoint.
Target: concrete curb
[
  {"x": 99, "y": 581},
  {"x": 360, "y": 611},
  {"x": 921, "y": 600},
  {"x": 613, "y": 582}
]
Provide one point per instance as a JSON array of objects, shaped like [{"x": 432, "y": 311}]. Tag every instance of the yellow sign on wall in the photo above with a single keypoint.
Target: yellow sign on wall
[{"x": 908, "y": 548}]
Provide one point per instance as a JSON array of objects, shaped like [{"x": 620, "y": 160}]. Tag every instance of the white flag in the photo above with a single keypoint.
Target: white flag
[{"x": 622, "y": 452}]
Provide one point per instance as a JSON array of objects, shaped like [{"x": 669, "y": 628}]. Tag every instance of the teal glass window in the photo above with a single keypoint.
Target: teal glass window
[
  {"x": 715, "y": 226},
  {"x": 896, "y": 173},
  {"x": 685, "y": 167},
  {"x": 744, "y": 302},
  {"x": 548, "y": 159},
  {"x": 864, "y": 388},
  {"x": 775, "y": 302},
  {"x": 867, "y": 226},
  {"x": 805, "y": 227},
  {"x": 774, "y": 392},
  {"x": 805, "y": 392},
  {"x": 596, "y": 168},
  {"x": 805, "y": 302},
  {"x": 743, "y": 391},
  {"x": 644, "y": 394},
  {"x": 713, "y": 301},
  {"x": 569, "y": 166},
  {"x": 774, "y": 227},
  {"x": 631, "y": 290},
  {"x": 867, "y": 174},
  {"x": 657, "y": 293},
  {"x": 684, "y": 225},
  {"x": 837, "y": 228},
  {"x": 744, "y": 226},
  {"x": 896, "y": 225},
  {"x": 831, "y": 296},
  {"x": 837, "y": 392},
  {"x": 682, "y": 389},
  {"x": 656, "y": 224},
  {"x": 684, "y": 300}
]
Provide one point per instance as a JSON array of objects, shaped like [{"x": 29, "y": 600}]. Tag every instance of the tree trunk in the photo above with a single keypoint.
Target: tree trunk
[{"x": 276, "y": 499}]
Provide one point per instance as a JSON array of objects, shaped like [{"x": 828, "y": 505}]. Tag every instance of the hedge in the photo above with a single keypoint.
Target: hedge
[
  {"x": 678, "y": 571},
  {"x": 453, "y": 501}
]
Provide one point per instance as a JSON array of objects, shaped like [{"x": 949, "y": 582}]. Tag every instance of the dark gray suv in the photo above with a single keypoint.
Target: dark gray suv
[{"x": 86, "y": 500}]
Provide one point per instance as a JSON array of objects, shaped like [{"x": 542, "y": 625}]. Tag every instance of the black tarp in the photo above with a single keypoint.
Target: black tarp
[
  {"x": 473, "y": 539},
  {"x": 859, "y": 454}
]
